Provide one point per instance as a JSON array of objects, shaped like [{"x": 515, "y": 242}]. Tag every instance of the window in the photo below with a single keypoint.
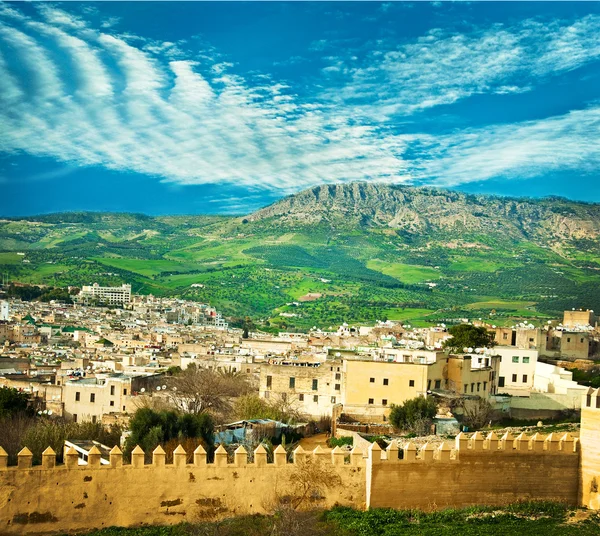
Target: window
[
  {"x": 515, "y": 358},
  {"x": 478, "y": 386},
  {"x": 331, "y": 369},
  {"x": 371, "y": 401},
  {"x": 580, "y": 340},
  {"x": 93, "y": 397},
  {"x": 386, "y": 381},
  {"x": 338, "y": 369},
  {"x": 505, "y": 336},
  {"x": 530, "y": 339},
  {"x": 337, "y": 386},
  {"x": 501, "y": 381},
  {"x": 428, "y": 384},
  {"x": 74, "y": 417},
  {"x": 301, "y": 398},
  {"x": 125, "y": 392},
  {"x": 112, "y": 402},
  {"x": 466, "y": 387},
  {"x": 337, "y": 376},
  {"x": 315, "y": 385},
  {"x": 333, "y": 399},
  {"x": 123, "y": 408},
  {"x": 472, "y": 387},
  {"x": 524, "y": 378},
  {"x": 568, "y": 339},
  {"x": 384, "y": 402},
  {"x": 514, "y": 378},
  {"x": 77, "y": 396},
  {"x": 316, "y": 399},
  {"x": 525, "y": 360},
  {"x": 112, "y": 390},
  {"x": 269, "y": 381},
  {"x": 247, "y": 371},
  {"x": 438, "y": 384},
  {"x": 485, "y": 386},
  {"x": 372, "y": 380},
  {"x": 292, "y": 383},
  {"x": 411, "y": 383}
]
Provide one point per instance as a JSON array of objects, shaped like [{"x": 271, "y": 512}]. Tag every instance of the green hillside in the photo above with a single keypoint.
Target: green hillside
[{"x": 371, "y": 251}]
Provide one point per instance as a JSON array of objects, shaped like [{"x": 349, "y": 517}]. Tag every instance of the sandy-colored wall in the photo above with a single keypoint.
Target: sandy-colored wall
[
  {"x": 471, "y": 477},
  {"x": 590, "y": 450},
  {"x": 39, "y": 501}
]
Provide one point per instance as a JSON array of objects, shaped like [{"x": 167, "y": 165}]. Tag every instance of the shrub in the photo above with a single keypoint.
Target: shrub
[{"x": 414, "y": 415}]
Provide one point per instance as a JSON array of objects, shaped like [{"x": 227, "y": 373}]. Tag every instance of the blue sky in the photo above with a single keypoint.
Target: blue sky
[{"x": 225, "y": 107}]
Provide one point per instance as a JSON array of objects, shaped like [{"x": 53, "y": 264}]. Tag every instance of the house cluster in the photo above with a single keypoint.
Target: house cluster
[{"x": 94, "y": 363}]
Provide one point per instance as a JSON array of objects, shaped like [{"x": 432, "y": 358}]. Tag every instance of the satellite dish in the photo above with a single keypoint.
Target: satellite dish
[
  {"x": 469, "y": 350},
  {"x": 164, "y": 386},
  {"x": 158, "y": 388},
  {"x": 143, "y": 390},
  {"x": 49, "y": 412},
  {"x": 174, "y": 388},
  {"x": 40, "y": 412}
]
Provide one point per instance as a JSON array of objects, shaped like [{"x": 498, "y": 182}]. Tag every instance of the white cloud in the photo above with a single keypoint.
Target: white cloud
[{"x": 87, "y": 96}]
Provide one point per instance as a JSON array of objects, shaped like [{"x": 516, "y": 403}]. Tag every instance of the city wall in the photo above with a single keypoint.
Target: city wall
[{"x": 488, "y": 470}]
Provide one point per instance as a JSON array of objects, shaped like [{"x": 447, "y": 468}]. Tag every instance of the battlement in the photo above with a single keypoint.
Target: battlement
[
  {"x": 474, "y": 469},
  {"x": 591, "y": 399}
]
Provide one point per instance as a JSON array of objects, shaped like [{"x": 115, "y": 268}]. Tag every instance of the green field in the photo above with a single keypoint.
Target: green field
[
  {"x": 518, "y": 519},
  {"x": 364, "y": 273}
]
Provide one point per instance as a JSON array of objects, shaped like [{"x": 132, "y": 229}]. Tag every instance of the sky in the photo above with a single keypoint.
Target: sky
[{"x": 225, "y": 107}]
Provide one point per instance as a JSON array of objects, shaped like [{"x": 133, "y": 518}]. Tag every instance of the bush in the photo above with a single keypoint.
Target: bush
[
  {"x": 333, "y": 442},
  {"x": 414, "y": 415}
]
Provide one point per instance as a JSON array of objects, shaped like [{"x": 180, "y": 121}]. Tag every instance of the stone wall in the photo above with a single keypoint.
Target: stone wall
[
  {"x": 476, "y": 470},
  {"x": 590, "y": 450},
  {"x": 488, "y": 471},
  {"x": 48, "y": 499}
]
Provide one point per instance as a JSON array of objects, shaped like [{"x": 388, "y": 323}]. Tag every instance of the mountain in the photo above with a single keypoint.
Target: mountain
[
  {"x": 357, "y": 252},
  {"x": 423, "y": 210}
]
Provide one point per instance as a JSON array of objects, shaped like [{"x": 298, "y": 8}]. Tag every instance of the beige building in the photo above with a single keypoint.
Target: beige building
[
  {"x": 87, "y": 399},
  {"x": 312, "y": 387},
  {"x": 579, "y": 318},
  {"x": 517, "y": 370}
]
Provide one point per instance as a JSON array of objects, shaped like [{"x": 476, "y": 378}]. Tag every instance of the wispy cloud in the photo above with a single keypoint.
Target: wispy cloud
[{"x": 87, "y": 95}]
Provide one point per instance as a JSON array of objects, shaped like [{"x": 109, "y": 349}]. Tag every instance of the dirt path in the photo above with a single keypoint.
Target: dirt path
[{"x": 310, "y": 443}]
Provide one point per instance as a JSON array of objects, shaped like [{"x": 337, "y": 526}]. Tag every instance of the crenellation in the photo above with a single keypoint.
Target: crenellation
[
  {"x": 137, "y": 457},
  {"x": 392, "y": 452},
  {"x": 476, "y": 442},
  {"x": 300, "y": 454},
  {"x": 24, "y": 458},
  {"x": 552, "y": 442},
  {"x": 3, "y": 459},
  {"x": 536, "y": 443},
  {"x": 71, "y": 458},
  {"x": 426, "y": 452},
  {"x": 179, "y": 456},
  {"x": 461, "y": 442},
  {"x": 220, "y": 457},
  {"x": 444, "y": 452},
  {"x": 240, "y": 457},
  {"x": 522, "y": 442},
  {"x": 491, "y": 442},
  {"x": 94, "y": 456},
  {"x": 260, "y": 456},
  {"x": 507, "y": 442},
  {"x": 279, "y": 456},
  {"x": 159, "y": 457},
  {"x": 567, "y": 443},
  {"x": 115, "y": 457},
  {"x": 337, "y": 456},
  {"x": 48, "y": 458},
  {"x": 356, "y": 456},
  {"x": 374, "y": 453},
  {"x": 199, "y": 456},
  {"x": 410, "y": 452}
]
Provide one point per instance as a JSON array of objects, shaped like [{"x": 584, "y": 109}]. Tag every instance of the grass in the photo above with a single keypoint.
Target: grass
[
  {"x": 147, "y": 267},
  {"x": 407, "y": 273},
  {"x": 516, "y": 519}
]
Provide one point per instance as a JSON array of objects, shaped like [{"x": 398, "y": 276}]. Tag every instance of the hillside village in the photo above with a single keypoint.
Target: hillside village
[{"x": 100, "y": 364}]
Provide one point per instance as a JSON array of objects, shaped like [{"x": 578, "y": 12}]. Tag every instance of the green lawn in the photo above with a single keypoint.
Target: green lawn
[{"x": 407, "y": 273}]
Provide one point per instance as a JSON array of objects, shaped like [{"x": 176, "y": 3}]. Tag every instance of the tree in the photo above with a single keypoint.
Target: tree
[
  {"x": 476, "y": 412},
  {"x": 247, "y": 325},
  {"x": 198, "y": 390},
  {"x": 151, "y": 428},
  {"x": 12, "y": 402},
  {"x": 468, "y": 336},
  {"x": 414, "y": 415}
]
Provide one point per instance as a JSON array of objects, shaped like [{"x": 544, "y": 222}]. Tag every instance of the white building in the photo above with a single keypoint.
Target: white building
[
  {"x": 517, "y": 370},
  {"x": 105, "y": 295},
  {"x": 557, "y": 380},
  {"x": 4, "y": 310}
]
